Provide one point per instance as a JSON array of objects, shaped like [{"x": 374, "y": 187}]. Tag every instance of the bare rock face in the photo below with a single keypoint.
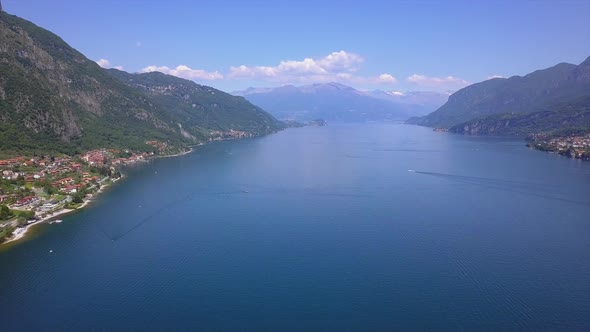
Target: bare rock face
[{"x": 51, "y": 91}]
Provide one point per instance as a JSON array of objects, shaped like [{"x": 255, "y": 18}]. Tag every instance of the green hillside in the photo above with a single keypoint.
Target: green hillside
[
  {"x": 509, "y": 106},
  {"x": 199, "y": 108},
  {"x": 561, "y": 120},
  {"x": 54, "y": 99}
]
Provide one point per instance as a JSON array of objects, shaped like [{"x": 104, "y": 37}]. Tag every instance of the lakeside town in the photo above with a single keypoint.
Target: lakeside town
[
  {"x": 571, "y": 146},
  {"x": 40, "y": 188},
  {"x": 574, "y": 146}
]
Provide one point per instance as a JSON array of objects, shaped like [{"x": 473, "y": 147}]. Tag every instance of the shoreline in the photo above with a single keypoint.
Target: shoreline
[
  {"x": 64, "y": 211},
  {"x": 61, "y": 212},
  {"x": 56, "y": 214},
  {"x": 177, "y": 154}
]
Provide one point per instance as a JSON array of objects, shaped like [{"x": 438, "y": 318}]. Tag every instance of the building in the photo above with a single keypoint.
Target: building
[
  {"x": 27, "y": 200},
  {"x": 49, "y": 205}
]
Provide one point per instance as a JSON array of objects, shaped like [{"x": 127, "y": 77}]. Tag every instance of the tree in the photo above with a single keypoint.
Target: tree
[
  {"x": 48, "y": 188},
  {"x": 24, "y": 215},
  {"x": 5, "y": 212},
  {"x": 78, "y": 198}
]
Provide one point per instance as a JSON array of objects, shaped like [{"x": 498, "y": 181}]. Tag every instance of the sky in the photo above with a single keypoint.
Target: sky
[{"x": 386, "y": 45}]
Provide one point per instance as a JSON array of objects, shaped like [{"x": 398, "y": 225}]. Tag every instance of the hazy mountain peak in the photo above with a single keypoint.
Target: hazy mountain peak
[{"x": 336, "y": 102}]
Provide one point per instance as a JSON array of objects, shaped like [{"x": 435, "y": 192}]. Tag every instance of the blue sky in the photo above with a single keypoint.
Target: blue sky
[{"x": 389, "y": 45}]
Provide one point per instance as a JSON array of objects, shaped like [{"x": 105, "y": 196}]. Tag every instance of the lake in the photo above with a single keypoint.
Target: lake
[{"x": 375, "y": 227}]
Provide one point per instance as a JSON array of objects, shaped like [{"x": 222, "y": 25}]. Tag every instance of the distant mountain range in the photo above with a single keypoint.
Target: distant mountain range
[
  {"x": 552, "y": 99},
  {"x": 335, "y": 102},
  {"x": 54, "y": 99}
]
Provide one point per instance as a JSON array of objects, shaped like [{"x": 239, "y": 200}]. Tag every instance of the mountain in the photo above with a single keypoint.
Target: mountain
[
  {"x": 429, "y": 100},
  {"x": 53, "y": 98},
  {"x": 511, "y": 104},
  {"x": 199, "y": 109},
  {"x": 562, "y": 119},
  {"x": 335, "y": 102}
]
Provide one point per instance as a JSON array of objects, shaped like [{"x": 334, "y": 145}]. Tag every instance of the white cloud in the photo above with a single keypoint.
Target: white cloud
[
  {"x": 285, "y": 69},
  {"x": 341, "y": 61},
  {"x": 184, "y": 71},
  {"x": 360, "y": 80},
  {"x": 335, "y": 67},
  {"x": 104, "y": 63},
  {"x": 437, "y": 82},
  {"x": 387, "y": 78},
  {"x": 495, "y": 76},
  {"x": 338, "y": 67}
]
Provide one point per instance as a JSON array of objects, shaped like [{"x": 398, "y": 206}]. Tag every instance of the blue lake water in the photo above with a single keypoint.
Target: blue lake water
[{"x": 318, "y": 229}]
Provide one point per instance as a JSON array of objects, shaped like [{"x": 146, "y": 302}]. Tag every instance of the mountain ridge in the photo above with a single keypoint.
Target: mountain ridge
[
  {"x": 337, "y": 102},
  {"x": 560, "y": 87},
  {"x": 53, "y": 98}
]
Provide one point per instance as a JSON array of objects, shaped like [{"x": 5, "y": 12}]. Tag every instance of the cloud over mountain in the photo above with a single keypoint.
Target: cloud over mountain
[
  {"x": 184, "y": 71},
  {"x": 341, "y": 67},
  {"x": 338, "y": 66},
  {"x": 449, "y": 82},
  {"x": 105, "y": 63}
]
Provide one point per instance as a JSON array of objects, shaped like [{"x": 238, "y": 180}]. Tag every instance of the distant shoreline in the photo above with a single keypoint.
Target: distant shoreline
[{"x": 177, "y": 154}]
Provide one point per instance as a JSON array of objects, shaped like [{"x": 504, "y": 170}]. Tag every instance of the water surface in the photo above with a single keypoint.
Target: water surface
[{"x": 344, "y": 228}]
